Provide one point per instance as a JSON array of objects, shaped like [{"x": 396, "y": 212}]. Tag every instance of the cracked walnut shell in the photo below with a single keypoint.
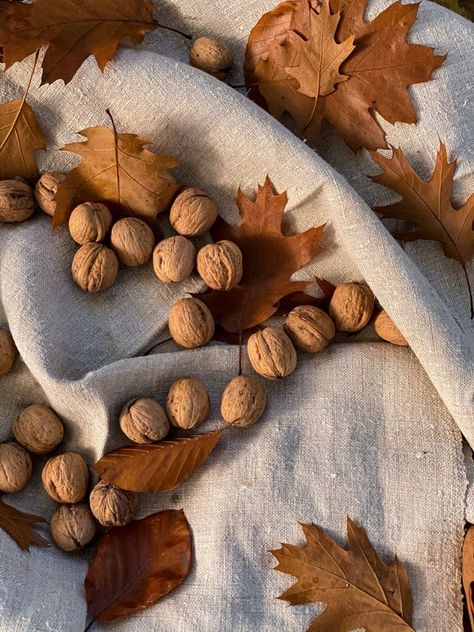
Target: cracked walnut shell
[
  {"x": 46, "y": 189},
  {"x": 211, "y": 55},
  {"x": 90, "y": 221},
  {"x": 243, "y": 401},
  {"x": 193, "y": 213},
  {"x": 133, "y": 241},
  {"x": 271, "y": 353},
  {"x": 8, "y": 352},
  {"x": 191, "y": 323},
  {"x": 173, "y": 259},
  {"x": 16, "y": 201},
  {"x": 310, "y": 328},
  {"x": 351, "y": 306},
  {"x": 66, "y": 477},
  {"x": 220, "y": 265},
  {"x": 38, "y": 429},
  {"x": 111, "y": 506},
  {"x": 15, "y": 468},
  {"x": 94, "y": 267},
  {"x": 187, "y": 403},
  {"x": 387, "y": 330},
  {"x": 143, "y": 420},
  {"x": 72, "y": 527}
]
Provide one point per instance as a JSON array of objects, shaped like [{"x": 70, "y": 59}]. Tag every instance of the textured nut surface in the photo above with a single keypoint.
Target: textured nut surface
[
  {"x": 310, "y": 328},
  {"x": 143, "y": 420},
  {"x": 65, "y": 478},
  {"x": 38, "y": 429},
  {"x": 173, "y": 259},
  {"x": 271, "y": 353},
  {"x": 351, "y": 306},
  {"x": 90, "y": 221},
  {"x": 187, "y": 403},
  {"x": 111, "y": 506},
  {"x": 8, "y": 352},
  {"x": 387, "y": 330},
  {"x": 94, "y": 267},
  {"x": 220, "y": 265},
  {"x": 133, "y": 241},
  {"x": 15, "y": 468},
  {"x": 211, "y": 55},
  {"x": 72, "y": 527},
  {"x": 243, "y": 401},
  {"x": 193, "y": 213},
  {"x": 190, "y": 323},
  {"x": 16, "y": 201},
  {"x": 45, "y": 190}
]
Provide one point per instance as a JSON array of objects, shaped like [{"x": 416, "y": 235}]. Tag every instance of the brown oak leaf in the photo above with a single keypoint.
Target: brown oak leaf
[
  {"x": 270, "y": 259},
  {"x": 359, "y": 589},
  {"x": 158, "y": 467},
  {"x": 137, "y": 565},
  {"x": 468, "y": 573},
  {"x": 20, "y": 526},
  {"x": 72, "y": 30}
]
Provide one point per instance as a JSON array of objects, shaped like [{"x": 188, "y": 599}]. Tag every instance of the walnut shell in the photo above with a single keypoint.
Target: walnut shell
[
  {"x": 143, "y": 420},
  {"x": 111, "y": 506},
  {"x": 220, "y": 265},
  {"x": 243, "y": 401},
  {"x": 173, "y": 259},
  {"x": 387, "y": 330},
  {"x": 351, "y": 306},
  {"x": 271, "y": 353},
  {"x": 90, "y": 221},
  {"x": 15, "y": 468},
  {"x": 72, "y": 527},
  {"x": 8, "y": 352},
  {"x": 193, "y": 213},
  {"x": 211, "y": 55},
  {"x": 38, "y": 429},
  {"x": 191, "y": 323},
  {"x": 133, "y": 241},
  {"x": 310, "y": 328},
  {"x": 66, "y": 477},
  {"x": 46, "y": 189},
  {"x": 16, "y": 201},
  {"x": 187, "y": 403},
  {"x": 94, "y": 267}
]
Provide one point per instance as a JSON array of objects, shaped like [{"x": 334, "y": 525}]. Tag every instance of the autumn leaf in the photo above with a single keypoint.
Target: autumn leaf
[
  {"x": 118, "y": 170},
  {"x": 137, "y": 565},
  {"x": 72, "y": 30},
  {"x": 270, "y": 259},
  {"x": 158, "y": 467},
  {"x": 359, "y": 589},
  {"x": 20, "y": 526},
  {"x": 428, "y": 205},
  {"x": 468, "y": 573}
]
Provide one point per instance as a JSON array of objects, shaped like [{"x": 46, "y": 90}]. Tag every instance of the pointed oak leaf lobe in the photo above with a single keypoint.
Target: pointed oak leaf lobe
[{"x": 21, "y": 526}]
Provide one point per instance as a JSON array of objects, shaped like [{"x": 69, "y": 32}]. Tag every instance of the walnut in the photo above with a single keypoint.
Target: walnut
[
  {"x": 271, "y": 353},
  {"x": 46, "y": 189},
  {"x": 15, "y": 468},
  {"x": 173, "y": 259},
  {"x": 187, "y": 403},
  {"x": 65, "y": 478},
  {"x": 16, "y": 201},
  {"x": 351, "y": 306},
  {"x": 94, "y": 267},
  {"x": 90, "y": 221},
  {"x": 111, "y": 506},
  {"x": 220, "y": 265},
  {"x": 387, "y": 330},
  {"x": 243, "y": 401},
  {"x": 8, "y": 352},
  {"x": 211, "y": 55},
  {"x": 309, "y": 328},
  {"x": 143, "y": 420},
  {"x": 72, "y": 527},
  {"x": 193, "y": 213},
  {"x": 190, "y": 323},
  {"x": 133, "y": 241},
  {"x": 38, "y": 429}
]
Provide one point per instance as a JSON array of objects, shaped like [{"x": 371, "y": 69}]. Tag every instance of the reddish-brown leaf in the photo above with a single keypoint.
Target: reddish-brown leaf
[
  {"x": 158, "y": 467},
  {"x": 20, "y": 526},
  {"x": 468, "y": 573},
  {"x": 270, "y": 259},
  {"x": 138, "y": 564}
]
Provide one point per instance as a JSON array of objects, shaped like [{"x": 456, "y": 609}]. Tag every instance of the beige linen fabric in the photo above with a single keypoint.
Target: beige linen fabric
[{"x": 357, "y": 430}]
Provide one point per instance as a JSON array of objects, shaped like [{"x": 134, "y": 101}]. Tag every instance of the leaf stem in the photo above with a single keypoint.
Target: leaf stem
[
  {"x": 117, "y": 166},
  {"x": 89, "y": 625},
  {"x": 240, "y": 353},
  {"x": 173, "y": 30},
  {"x": 469, "y": 288}
]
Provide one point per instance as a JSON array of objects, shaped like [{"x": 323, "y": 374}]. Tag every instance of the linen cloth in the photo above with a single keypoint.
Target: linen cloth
[{"x": 363, "y": 429}]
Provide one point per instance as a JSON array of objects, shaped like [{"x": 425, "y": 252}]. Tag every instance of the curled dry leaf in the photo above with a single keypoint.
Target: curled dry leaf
[
  {"x": 468, "y": 573},
  {"x": 158, "y": 467},
  {"x": 20, "y": 526},
  {"x": 138, "y": 564}
]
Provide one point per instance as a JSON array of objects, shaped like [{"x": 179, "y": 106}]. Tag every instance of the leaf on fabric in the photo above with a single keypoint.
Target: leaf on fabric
[
  {"x": 359, "y": 589},
  {"x": 468, "y": 573},
  {"x": 138, "y": 564},
  {"x": 21, "y": 526},
  {"x": 158, "y": 467}
]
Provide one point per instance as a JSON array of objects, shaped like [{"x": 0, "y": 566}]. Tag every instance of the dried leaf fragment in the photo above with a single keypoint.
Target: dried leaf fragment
[
  {"x": 468, "y": 572},
  {"x": 20, "y": 526}
]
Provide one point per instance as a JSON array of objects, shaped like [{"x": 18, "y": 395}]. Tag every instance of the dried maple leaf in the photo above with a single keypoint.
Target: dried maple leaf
[
  {"x": 158, "y": 467},
  {"x": 270, "y": 259},
  {"x": 428, "y": 204},
  {"x": 20, "y": 526},
  {"x": 359, "y": 589},
  {"x": 137, "y": 565},
  {"x": 72, "y": 30},
  {"x": 468, "y": 573}
]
